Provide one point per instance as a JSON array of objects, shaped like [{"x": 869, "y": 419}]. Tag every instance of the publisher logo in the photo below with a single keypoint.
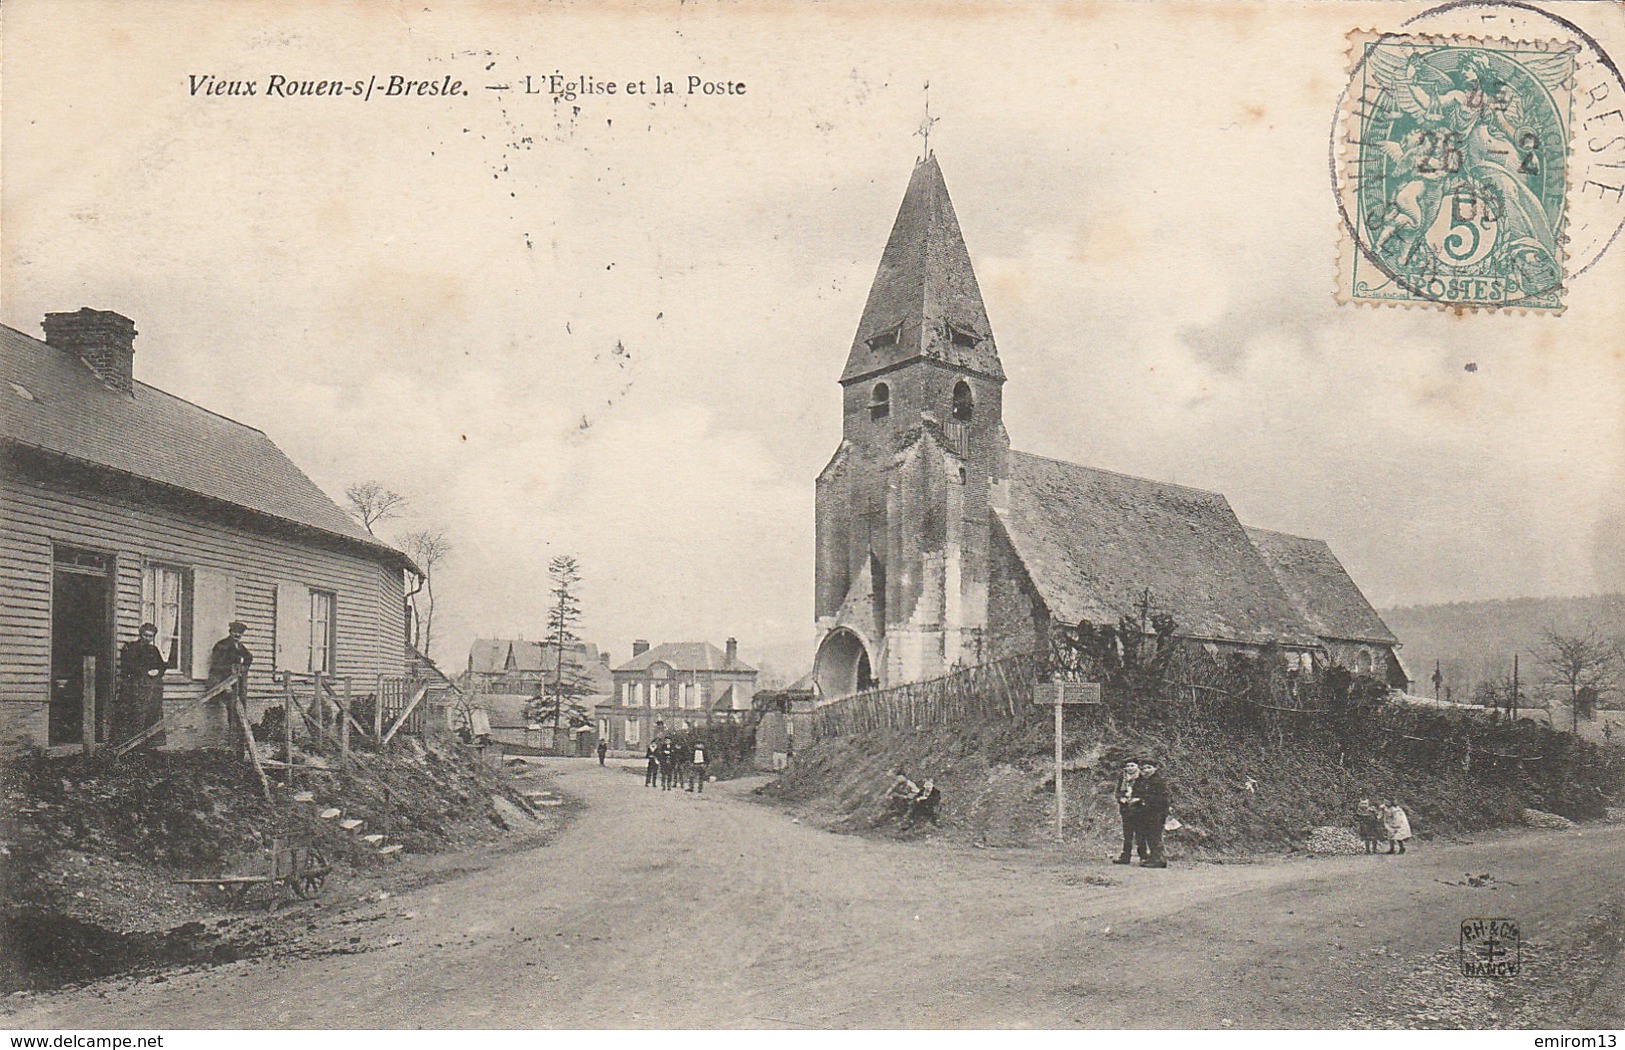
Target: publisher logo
[{"x": 1490, "y": 948}]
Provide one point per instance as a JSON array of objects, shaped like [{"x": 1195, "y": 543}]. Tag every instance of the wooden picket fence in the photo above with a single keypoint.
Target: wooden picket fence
[{"x": 999, "y": 690}]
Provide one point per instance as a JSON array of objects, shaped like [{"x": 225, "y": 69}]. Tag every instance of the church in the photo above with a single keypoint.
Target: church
[{"x": 938, "y": 545}]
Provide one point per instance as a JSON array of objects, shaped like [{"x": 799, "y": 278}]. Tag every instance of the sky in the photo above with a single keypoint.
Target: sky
[{"x": 612, "y": 326}]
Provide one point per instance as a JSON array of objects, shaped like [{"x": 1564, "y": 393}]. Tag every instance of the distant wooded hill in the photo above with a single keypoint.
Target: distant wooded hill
[{"x": 1474, "y": 641}]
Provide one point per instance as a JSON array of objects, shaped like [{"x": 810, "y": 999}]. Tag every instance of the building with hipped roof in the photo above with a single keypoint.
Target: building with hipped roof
[
  {"x": 122, "y": 504},
  {"x": 938, "y": 545},
  {"x": 671, "y": 687}
]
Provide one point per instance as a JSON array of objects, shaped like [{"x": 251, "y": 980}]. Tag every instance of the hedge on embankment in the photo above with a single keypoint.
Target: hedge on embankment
[{"x": 1241, "y": 781}]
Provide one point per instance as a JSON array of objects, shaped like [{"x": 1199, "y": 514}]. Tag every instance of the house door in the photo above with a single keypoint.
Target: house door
[{"x": 81, "y": 646}]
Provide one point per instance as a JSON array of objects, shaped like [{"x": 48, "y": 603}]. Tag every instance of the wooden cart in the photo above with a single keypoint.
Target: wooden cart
[{"x": 291, "y": 871}]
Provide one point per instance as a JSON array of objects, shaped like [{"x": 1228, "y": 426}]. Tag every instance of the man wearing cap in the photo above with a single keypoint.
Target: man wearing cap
[
  {"x": 230, "y": 655},
  {"x": 1128, "y": 810},
  {"x": 1152, "y": 790},
  {"x": 141, "y": 668}
]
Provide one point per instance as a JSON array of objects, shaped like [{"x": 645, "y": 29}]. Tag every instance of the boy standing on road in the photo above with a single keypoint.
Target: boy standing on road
[{"x": 1127, "y": 810}]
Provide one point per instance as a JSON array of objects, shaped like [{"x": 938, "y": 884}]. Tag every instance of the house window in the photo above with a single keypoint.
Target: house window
[
  {"x": 1363, "y": 663},
  {"x": 166, "y": 593},
  {"x": 964, "y": 402},
  {"x": 633, "y": 731},
  {"x": 688, "y": 694},
  {"x": 880, "y": 402},
  {"x": 321, "y": 631}
]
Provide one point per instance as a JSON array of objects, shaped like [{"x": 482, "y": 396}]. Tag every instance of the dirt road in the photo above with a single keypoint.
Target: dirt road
[{"x": 671, "y": 910}]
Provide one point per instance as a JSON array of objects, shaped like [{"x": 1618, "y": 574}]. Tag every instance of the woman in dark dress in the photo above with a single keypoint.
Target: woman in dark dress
[{"x": 141, "y": 670}]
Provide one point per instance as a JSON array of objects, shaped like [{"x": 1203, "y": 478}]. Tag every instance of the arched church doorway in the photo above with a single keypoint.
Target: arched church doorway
[{"x": 842, "y": 667}]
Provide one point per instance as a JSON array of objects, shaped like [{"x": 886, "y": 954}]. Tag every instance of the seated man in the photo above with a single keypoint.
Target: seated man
[
  {"x": 925, "y": 803},
  {"x": 901, "y": 794}
]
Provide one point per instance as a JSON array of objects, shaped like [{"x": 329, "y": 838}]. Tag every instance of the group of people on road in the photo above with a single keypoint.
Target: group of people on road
[
  {"x": 1142, "y": 803},
  {"x": 674, "y": 763},
  {"x": 1382, "y": 821},
  {"x": 909, "y": 803}
]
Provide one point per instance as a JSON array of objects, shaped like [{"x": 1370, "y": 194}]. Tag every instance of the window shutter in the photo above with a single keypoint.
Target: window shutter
[
  {"x": 214, "y": 605},
  {"x": 293, "y": 628}
]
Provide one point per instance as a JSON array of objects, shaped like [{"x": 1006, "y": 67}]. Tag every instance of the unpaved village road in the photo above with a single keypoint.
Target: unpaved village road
[{"x": 662, "y": 909}]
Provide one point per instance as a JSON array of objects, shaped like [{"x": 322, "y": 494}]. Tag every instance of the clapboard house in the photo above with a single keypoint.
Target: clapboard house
[
  {"x": 938, "y": 545},
  {"x": 122, "y": 504}
]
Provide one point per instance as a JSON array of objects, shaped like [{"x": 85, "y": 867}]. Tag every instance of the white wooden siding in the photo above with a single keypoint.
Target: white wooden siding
[{"x": 224, "y": 559}]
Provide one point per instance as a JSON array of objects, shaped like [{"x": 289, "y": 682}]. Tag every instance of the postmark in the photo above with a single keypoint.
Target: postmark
[
  {"x": 1490, "y": 948},
  {"x": 1455, "y": 171}
]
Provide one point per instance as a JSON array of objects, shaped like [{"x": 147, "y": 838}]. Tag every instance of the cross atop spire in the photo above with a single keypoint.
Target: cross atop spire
[{"x": 924, "y": 130}]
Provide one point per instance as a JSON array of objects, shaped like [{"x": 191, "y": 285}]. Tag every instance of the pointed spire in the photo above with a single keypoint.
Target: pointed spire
[{"x": 925, "y": 301}]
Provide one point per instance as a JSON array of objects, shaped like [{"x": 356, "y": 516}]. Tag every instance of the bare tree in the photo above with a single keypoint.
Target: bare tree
[
  {"x": 427, "y": 547},
  {"x": 372, "y": 503},
  {"x": 1585, "y": 663}
]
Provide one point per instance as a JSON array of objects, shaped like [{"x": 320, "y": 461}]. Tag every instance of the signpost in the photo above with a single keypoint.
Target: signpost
[{"x": 1060, "y": 695}]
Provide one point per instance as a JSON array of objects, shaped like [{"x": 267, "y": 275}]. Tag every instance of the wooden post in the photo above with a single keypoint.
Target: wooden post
[
  {"x": 1060, "y": 799},
  {"x": 248, "y": 741},
  {"x": 344, "y": 721},
  {"x": 287, "y": 725},
  {"x": 378, "y": 711},
  {"x": 318, "y": 702},
  {"x": 87, "y": 699}
]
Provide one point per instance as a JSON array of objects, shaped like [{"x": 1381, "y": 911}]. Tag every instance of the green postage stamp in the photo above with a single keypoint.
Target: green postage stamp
[{"x": 1454, "y": 171}]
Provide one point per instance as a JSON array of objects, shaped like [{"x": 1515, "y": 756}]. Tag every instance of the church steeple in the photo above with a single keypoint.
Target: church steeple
[{"x": 924, "y": 302}]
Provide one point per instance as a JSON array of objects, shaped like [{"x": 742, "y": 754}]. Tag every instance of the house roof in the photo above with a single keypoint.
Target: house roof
[
  {"x": 491, "y": 656},
  {"x": 505, "y": 710},
  {"x": 925, "y": 292},
  {"x": 1093, "y": 542},
  {"x": 1320, "y": 588},
  {"x": 50, "y": 400},
  {"x": 685, "y": 656}
]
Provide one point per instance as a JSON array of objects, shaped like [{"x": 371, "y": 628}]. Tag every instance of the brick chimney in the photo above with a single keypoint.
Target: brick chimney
[
  {"x": 603, "y": 657},
  {"x": 639, "y": 647},
  {"x": 103, "y": 339},
  {"x": 733, "y": 652}
]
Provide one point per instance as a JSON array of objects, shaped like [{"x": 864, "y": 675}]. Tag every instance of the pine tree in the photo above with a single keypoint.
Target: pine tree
[{"x": 566, "y": 682}]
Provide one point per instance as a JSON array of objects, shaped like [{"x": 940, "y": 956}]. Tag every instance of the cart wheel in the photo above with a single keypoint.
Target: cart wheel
[{"x": 308, "y": 883}]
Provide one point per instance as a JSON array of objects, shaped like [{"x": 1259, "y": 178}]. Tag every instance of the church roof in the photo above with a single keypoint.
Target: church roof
[
  {"x": 1320, "y": 587},
  {"x": 1093, "y": 542},
  {"x": 924, "y": 301}
]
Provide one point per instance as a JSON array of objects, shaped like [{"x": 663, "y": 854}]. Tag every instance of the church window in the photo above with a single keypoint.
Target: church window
[
  {"x": 964, "y": 402},
  {"x": 961, "y": 475},
  {"x": 886, "y": 338},
  {"x": 962, "y": 336},
  {"x": 880, "y": 402}
]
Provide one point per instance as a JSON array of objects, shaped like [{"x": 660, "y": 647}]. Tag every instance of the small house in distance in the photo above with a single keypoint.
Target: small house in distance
[
  {"x": 678, "y": 685},
  {"x": 514, "y": 665},
  {"x": 122, "y": 504}
]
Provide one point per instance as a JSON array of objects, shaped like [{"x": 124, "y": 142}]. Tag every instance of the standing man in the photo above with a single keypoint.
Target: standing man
[
  {"x": 1152, "y": 792},
  {"x": 1128, "y": 811},
  {"x": 141, "y": 670},
  {"x": 603, "y": 749},
  {"x": 652, "y": 770},
  {"x": 228, "y": 657},
  {"x": 696, "y": 769}
]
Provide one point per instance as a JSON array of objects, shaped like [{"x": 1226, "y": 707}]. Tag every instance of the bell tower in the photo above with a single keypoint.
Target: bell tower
[{"x": 903, "y": 511}]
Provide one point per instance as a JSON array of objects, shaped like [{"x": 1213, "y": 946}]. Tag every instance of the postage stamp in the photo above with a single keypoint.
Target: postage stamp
[
  {"x": 1455, "y": 158},
  {"x": 1490, "y": 948}
]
